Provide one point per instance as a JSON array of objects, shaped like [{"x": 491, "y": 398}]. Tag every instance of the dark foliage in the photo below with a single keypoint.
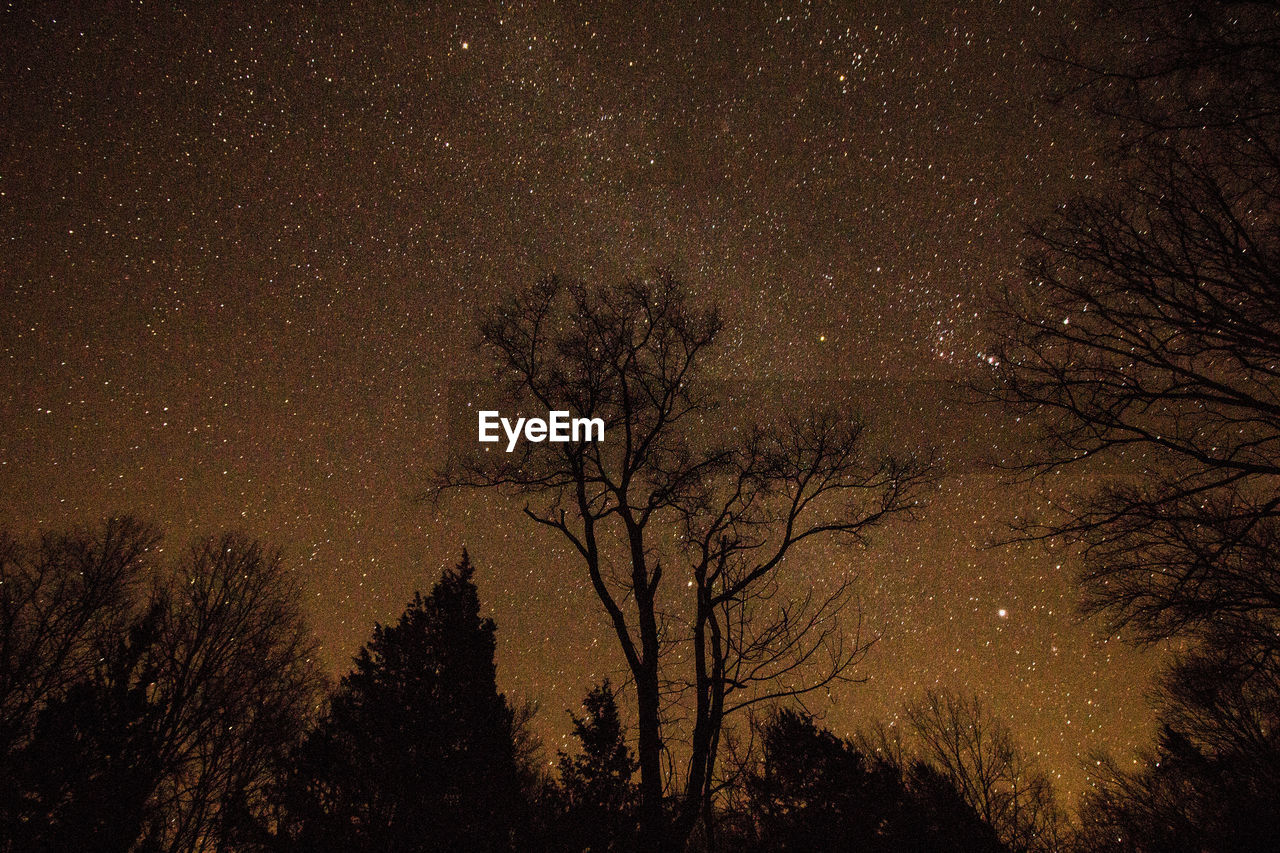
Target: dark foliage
[
  {"x": 813, "y": 791},
  {"x": 138, "y": 704},
  {"x": 598, "y": 794},
  {"x": 416, "y": 750}
]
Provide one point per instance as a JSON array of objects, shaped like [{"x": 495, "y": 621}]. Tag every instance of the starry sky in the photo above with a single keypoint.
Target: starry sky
[{"x": 245, "y": 248}]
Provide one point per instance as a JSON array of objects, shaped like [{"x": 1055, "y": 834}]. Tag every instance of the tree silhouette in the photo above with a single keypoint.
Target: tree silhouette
[
  {"x": 813, "y": 791},
  {"x": 958, "y": 739},
  {"x": 665, "y": 498},
  {"x": 416, "y": 751},
  {"x": 1145, "y": 346},
  {"x": 1145, "y": 342},
  {"x": 237, "y": 681},
  {"x": 597, "y": 787},
  {"x": 1213, "y": 779},
  {"x": 86, "y": 774},
  {"x": 60, "y": 599},
  {"x": 139, "y": 701}
]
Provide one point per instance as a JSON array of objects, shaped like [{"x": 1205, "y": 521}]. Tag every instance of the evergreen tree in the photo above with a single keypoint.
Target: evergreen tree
[
  {"x": 416, "y": 751},
  {"x": 599, "y": 794},
  {"x": 814, "y": 792}
]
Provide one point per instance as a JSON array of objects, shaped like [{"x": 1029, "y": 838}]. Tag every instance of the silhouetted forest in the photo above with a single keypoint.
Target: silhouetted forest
[
  {"x": 152, "y": 701},
  {"x": 176, "y": 707}
]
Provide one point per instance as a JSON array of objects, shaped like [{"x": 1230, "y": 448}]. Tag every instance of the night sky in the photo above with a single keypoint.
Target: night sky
[{"x": 244, "y": 252}]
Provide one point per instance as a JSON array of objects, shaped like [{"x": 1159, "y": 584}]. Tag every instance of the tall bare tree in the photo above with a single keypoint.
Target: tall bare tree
[
  {"x": 685, "y": 536},
  {"x": 1146, "y": 342},
  {"x": 1146, "y": 347}
]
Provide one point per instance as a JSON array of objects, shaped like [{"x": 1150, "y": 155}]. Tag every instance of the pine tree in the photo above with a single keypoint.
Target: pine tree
[
  {"x": 416, "y": 750},
  {"x": 599, "y": 794}
]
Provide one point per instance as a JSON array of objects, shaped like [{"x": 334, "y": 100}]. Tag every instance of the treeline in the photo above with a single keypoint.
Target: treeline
[
  {"x": 151, "y": 702},
  {"x": 174, "y": 704}
]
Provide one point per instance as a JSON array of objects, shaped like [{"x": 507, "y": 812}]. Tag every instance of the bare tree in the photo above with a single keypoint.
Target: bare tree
[
  {"x": 58, "y": 599},
  {"x": 977, "y": 754},
  {"x": 1146, "y": 342},
  {"x": 144, "y": 706},
  {"x": 1174, "y": 69},
  {"x": 237, "y": 680},
  {"x": 685, "y": 536},
  {"x": 1145, "y": 346}
]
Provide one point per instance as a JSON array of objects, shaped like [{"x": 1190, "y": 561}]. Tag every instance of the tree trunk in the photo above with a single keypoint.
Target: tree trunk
[
  {"x": 653, "y": 834},
  {"x": 698, "y": 781},
  {"x": 653, "y": 825}
]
